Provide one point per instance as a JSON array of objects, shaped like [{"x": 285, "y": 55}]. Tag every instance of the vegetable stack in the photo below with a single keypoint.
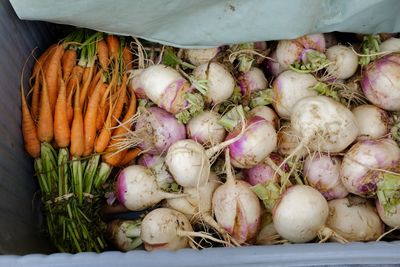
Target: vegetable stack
[{"x": 79, "y": 101}]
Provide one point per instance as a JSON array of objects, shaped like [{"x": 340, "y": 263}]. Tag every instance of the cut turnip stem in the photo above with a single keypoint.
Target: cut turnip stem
[
  {"x": 388, "y": 201},
  {"x": 321, "y": 171},
  {"x": 300, "y": 215},
  {"x": 354, "y": 219},
  {"x": 125, "y": 235},
  {"x": 288, "y": 88},
  {"x": 365, "y": 163},
  {"x": 372, "y": 122},
  {"x": 137, "y": 188},
  {"x": 344, "y": 62},
  {"x": 298, "y": 50},
  {"x": 201, "y": 56},
  {"x": 381, "y": 84},
  {"x": 266, "y": 113},
  {"x": 169, "y": 229},
  {"x": 236, "y": 208},
  {"x": 247, "y": 54},
  {"x": 204, "y": 129},
  {"x": 255, "y": 144},
  {"x": 220, "y": 83}
]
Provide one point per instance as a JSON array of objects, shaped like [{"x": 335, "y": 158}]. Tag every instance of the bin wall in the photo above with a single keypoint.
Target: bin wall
[{"x": 19, "y": 218}]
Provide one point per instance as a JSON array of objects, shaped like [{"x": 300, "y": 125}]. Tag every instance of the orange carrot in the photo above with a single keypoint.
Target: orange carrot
[
  {"x": 35, "y": 101},
  {"x": 62, "y": 132},
  {"x": 111, "y": 157},
  {"x": 31, "y": 140},
  {"x": 102, "y": 140},
  {"x": 45, "y": 123},
  {"x": 94, "y": 81},
  {"x": 51, "y": 74},
  {"x": 68, "y": 62},
  {"x": 129, "y": 156},
  {"x": 113, "y": 45},
  {"x": 85, "y": 86},
  {"x": 90, "y": 120},
  {"x": 75, "y": 78},
  {"x": 40, "y": 62},
  {"x": 85, "y": 75},
  {"x": 127, "y": 57},
  {"x": 102, "y": 53},
  {"x": 77, "y": 130},
  {"x": 103, "y": 107},
  {"x": 120, "y": 102}
]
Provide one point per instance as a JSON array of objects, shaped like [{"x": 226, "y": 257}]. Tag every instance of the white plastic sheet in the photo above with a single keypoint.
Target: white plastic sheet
[{"x": 203, "y": 23}]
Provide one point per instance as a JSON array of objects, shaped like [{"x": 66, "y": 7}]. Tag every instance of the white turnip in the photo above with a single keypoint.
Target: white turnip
[
  {"x": 252, "y": 81},
  {"x": 372, "y": 122},
  {"x": 354, "y": 219},
  {"x": 266, "y": 113},
  {"x": 157, "y": 164},
  {"x": 200, "y": 56},
  {"x": 344, "y": 62},
  {"x": 124, "y": 235},
  {"x": 204, "y": 129}
]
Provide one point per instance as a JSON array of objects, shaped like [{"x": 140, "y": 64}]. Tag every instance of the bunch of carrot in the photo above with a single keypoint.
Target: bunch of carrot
[{"x": 79, "y": 104}]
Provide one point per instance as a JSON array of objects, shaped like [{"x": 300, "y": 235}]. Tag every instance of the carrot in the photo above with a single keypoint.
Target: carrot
[
  {"x": 40, "y": 62},
  {"x": 29, "y": 134},
  {"x": 85, "y": 76},
  {"x": 129, "y": 156},
  {"x": 102, "y": 53},
  {"x": 103, "y": 107},
  {"x": 75, "y": 78},
  {"x": 127, "y": 57},
  {"x": 90, "y": 120},
  {"x": 85, "y": 86},
  {"x": 77, "y": 132},
  {"x": 62, "y": 132},
  {"x": 114, "y": 158},
  {"x": 95, "y": 81},
  {"x": 120, "y": 102},
  {"x": 113, "y": 45},
  {"x": 68, "y": 62},
  {"x": 51, "y": 74},
  {"x": 102, "y": 140},
  {"x": 35, "y": 101},
  {"x": 45, "y": 123}
]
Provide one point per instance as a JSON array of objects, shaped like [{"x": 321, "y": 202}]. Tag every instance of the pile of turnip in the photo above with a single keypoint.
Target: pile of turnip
[{"x": 304, "y": 134}]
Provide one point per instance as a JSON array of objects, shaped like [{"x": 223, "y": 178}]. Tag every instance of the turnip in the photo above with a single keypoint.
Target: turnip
[
  {"x": 267, "y": 235},
  {"x": 323, "y": 124},
  {"x": 322, "y": 173},
  {"x": 390, "y": 45},
  {"x": 365, "y": 163},
  {"x": 344, "y": 62},
  {"x": 354, "y": 219},
  {"x": 220, "y": 83},
  {"x": 165, "y": 87},
  {"x": 272, "y": 65},
  {"x": 288, "y": 141},
  {"x": 204, "y": 129},
  {"x": 135, "y": 83},
  {"x": 189, "y": 162},
  {"x": 157, "y": 165},
  {"x": 300, "y": 215},
  {"x": 252, "y": 81},
  {"x": 137, "y": 188},
  {"x": 255, "y": 144},
  {"x": 288, "y": 88},
  {"x": 247, "y": 54},
  {"x": 390, "y": 219},
  {"x": 200, "y": 56},
  {"x": 168, "y": 229},
  {"x": 290, "y": 51},
  {"x": 266, "y": 113},
  {"x": 381, "y": 84},
  {"x": 372, "y": 122},
  {"x": 263, "y": 172},
  {"x": 236, "y": 208},
  {"x": 124, "y": 235},
  {"x": 155, "y": 131}
]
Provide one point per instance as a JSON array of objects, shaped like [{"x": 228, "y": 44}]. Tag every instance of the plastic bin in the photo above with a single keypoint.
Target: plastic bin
[{"x": 20, "y": 240}]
